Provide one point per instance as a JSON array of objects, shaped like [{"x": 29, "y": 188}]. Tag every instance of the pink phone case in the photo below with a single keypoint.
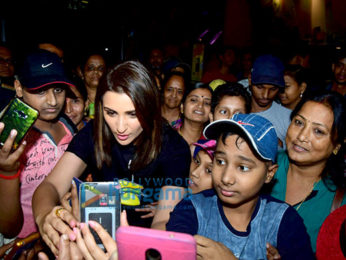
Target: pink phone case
[{"x": 134, "y": 242}]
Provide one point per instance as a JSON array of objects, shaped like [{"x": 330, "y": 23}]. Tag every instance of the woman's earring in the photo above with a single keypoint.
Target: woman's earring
[{"x": 301, "y": 94}]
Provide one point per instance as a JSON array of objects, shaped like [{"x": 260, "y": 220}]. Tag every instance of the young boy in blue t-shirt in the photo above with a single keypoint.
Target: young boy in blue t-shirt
[{"x": 234, "y": 219}]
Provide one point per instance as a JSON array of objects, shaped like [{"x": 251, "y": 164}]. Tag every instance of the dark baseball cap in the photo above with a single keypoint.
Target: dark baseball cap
[
  {"x": 42, "y": 68},
  {"x": 268, "y": 69}
]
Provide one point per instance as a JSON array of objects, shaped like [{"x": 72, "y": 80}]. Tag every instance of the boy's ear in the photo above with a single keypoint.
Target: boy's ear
[
  {"x": 211, "y": 117},
  {"x": 271, "y": 172},
  {"x": 18, "y": 87}
]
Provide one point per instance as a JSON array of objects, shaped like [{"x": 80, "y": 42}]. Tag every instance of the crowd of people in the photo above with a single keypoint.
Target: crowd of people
[{"x": 254, "y": 154}]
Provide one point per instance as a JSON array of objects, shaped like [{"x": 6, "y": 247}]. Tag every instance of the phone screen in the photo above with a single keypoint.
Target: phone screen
[
  {"x": 100, "y": 201},
  {"x": 20, "y": 116}
]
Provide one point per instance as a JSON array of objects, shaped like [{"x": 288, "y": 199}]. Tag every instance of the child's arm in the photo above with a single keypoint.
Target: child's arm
[
  {"x": 183, "y": 218},
  {"x": 210, "y": 249},
  {"x": 293, "y": 240},
  {"x": 169, "y": 197}
]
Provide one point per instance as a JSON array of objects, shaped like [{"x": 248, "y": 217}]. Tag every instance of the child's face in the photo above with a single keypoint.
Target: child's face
[
  {"x": 228, "y": 106},
  {"x": 200, "y": 172},
  {"x": 74, "y": 107},
  {"x": 238, "y": 174},
  {"x": 48, "y": 101}
]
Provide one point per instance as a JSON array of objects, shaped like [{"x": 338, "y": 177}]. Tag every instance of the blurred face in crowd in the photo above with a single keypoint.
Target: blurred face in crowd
[
  {"x": 74, "y": 107},
  {"x": 174, "y": 92},
  {"x": 156, "y": 59},
  {"x": 93, "y": 70},
  {"x": 339, "y": 70},
  {"x": 6, "y": 63},
  {"x": 228, "y": 106},
  {"x": 264, "y": 94},
  {"x": 291, "y": 96},
  {"x": 197, "y": 105}
]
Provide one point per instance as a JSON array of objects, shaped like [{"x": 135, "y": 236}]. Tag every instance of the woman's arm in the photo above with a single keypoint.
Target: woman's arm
[
  {"x": 169, "y": 197},
  {"x": 51, "y": 222}
]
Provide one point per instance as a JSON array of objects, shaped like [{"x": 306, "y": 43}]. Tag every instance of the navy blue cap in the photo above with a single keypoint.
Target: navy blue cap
[
  {"x": 260, "y": 131},
  {"x": 42, "y": 68},
  {"x": 268, "y": 69}
]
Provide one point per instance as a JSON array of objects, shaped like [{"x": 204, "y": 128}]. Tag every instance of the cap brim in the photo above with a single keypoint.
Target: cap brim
[
  {"x": 51, "y": 83},
  {"x": 216, "y": 128}
]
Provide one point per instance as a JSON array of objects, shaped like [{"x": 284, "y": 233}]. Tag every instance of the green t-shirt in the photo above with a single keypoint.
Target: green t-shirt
[{"x": 316, "y": 206}]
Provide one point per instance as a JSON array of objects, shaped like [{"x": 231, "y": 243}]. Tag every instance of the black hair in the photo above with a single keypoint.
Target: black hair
[
  {"x": 231, "y": 89},
  {"x": 196, "y": 86},
  {"x": 297, "y": 72},
  {"x": 335, "y": 166}
]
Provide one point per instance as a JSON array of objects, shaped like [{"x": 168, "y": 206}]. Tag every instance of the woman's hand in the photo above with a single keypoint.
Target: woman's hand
[
  {"x": 9, "y": 161},
  {"x": 88, "y": 246},
  {"x": 67, "y": 250},
  {"x": 272, "y": 252},
  {"x": 73, "y": 197},
  {"x": 58, "y": 221},
  {"x": 150, "y": 208}
]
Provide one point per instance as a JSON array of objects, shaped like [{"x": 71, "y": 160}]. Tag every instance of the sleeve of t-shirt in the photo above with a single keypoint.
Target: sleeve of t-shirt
[
  {"x": 293, "y": 239},
  {"x": 183, "y": 218},
  {"x": 82, "y": 144},
  {"x": 176, "y": 159}
]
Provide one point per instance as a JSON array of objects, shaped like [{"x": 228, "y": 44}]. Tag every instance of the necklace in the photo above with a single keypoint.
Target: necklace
[{"x": 313, "y": 186}]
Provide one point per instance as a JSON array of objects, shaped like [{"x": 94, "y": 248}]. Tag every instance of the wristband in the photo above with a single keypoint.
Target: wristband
[{"x": 12, "y": 176}]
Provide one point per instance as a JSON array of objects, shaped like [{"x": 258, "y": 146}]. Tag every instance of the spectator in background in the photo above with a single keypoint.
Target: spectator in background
[
  {"x": 7, "y": 71},
  {"x": 226, "y": 67},
  {"x": 338, "y": 83},
  {"x": 296, "y": 82},
  {"x": 195, "y": 109},
  {"x": 154, "y": 64},
  {"x": 229, "y": 99},
  {"x": 266, "y": 81},
  {"x": 76, "y": 99},
  {"x": 246, "y": 61},
  {"x": 174, "y": 88},
  {"x": 93, "y": 66}
]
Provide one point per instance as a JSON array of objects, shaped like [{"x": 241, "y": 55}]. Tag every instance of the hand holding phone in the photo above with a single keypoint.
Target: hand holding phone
[
  {"x": 100, "y": 202},
  {"x": 19, "y": 116},
  {"x": 9, "y": 160}
]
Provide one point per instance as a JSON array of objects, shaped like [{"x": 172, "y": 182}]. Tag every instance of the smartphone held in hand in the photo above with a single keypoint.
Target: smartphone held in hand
[
  {"x": 20, "y": 116},
  {"x": 100, "y": 202}
]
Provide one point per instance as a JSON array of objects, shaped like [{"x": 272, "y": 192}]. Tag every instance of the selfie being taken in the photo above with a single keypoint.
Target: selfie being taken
[{"x": 190, "y": 130}]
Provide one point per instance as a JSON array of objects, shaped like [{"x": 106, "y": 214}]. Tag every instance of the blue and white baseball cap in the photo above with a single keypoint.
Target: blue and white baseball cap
[{"x": 258, "y": 129}]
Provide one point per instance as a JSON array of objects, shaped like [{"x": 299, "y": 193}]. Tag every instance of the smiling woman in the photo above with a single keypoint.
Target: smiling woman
[
  {"x": 126, "y": 140},
  {"x": 195, "y": 109},
  {"x": 312, "y": 168}
]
